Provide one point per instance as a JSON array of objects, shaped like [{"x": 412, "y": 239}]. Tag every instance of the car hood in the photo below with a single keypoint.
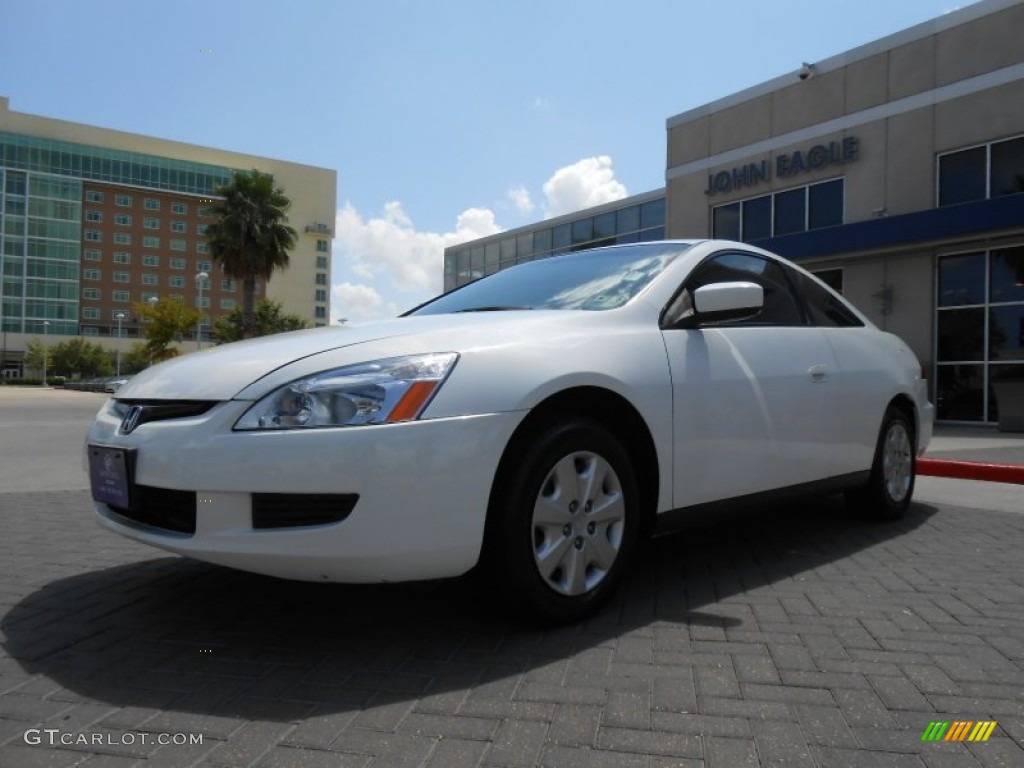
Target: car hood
[{"x": 221, "y": 373}]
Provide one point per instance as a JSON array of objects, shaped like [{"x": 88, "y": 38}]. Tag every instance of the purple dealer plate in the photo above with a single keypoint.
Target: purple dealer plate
[{"x": 110, "y": 475}]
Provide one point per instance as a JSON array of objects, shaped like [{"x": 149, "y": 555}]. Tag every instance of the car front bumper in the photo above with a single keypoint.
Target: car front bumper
[{"x": 422, "y": 487}]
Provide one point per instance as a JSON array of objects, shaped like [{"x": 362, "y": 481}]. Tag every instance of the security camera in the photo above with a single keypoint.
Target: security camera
[{"x": 806, "y": 71}]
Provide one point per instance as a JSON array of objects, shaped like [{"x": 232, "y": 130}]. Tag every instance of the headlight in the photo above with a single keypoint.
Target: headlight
[{"x": 380, "y": 392}]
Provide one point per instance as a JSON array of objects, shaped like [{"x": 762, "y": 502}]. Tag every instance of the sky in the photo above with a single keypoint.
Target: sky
[{"x": 444, "y": 120}]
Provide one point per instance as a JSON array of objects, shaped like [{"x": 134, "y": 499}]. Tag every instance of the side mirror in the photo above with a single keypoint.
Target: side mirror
[{"x": 719, "y": 302}]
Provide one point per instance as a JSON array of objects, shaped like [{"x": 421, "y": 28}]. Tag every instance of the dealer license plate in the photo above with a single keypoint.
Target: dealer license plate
[{"x": 110, "y": 475}]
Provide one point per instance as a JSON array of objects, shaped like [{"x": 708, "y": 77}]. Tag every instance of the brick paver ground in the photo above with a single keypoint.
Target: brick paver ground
[{"x": 797, "y": 638}]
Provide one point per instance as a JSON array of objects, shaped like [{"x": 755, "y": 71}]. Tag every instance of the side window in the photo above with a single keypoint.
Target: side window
[
  {"x": 824, "y": 308},
  {"x": 780, "y": 304}
]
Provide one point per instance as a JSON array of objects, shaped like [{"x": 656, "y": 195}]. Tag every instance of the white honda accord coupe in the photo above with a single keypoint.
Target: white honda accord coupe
[{"x": 537, "y": 422}]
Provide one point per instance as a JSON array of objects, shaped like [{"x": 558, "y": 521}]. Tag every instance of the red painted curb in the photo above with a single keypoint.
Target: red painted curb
[{"x": 971, "y": 470}]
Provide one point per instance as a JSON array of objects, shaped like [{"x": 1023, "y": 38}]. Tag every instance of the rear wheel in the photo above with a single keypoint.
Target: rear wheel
[
  {"x": 891, "y": 485},
  {"x": 566, "y": 516}
]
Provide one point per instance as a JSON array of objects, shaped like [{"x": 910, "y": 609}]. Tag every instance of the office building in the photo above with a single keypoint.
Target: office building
[{"x": 95, "y": 221}]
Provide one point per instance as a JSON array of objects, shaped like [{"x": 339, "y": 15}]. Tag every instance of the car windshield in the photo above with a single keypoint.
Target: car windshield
[{"x": 605, "y": 278}]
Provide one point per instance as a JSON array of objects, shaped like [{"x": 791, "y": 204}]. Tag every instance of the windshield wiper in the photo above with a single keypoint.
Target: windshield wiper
[{"x": 490, "y": 309}]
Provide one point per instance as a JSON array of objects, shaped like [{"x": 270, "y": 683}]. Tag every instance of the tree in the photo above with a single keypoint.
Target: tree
[
  {"x": 135, "y": 359},
  {"x": 34, "y": 356},
  {"x": 80, "y": 357},
  {"x": 269, "y": 318},
  {"x": 250, "y": 237},
  {"x": 165, "y": 321}
]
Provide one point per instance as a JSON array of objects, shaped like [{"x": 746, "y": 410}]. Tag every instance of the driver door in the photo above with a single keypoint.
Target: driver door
[{"x": 752, "y": 409}]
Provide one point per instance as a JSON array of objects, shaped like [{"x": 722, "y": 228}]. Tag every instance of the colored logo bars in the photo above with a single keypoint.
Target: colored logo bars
[{"x": 959, "y": 730}]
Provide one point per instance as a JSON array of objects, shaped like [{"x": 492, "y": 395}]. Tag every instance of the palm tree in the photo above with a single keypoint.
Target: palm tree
[{"x": 250, "y": 237}]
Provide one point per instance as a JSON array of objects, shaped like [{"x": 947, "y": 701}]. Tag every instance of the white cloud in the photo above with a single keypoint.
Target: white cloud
[
  {"x": 520, "y": 197},
  {"x": 354, "y": 301},
  {"x": 385, "y": 265},
  {"x": 390, "y": 247},
  {"x": 586, "y": 183}
]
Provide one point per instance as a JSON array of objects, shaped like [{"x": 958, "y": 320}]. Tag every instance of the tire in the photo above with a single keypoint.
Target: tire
[
  {"x": 565, "y": 519},
  {"x": 891, "y": 486}
]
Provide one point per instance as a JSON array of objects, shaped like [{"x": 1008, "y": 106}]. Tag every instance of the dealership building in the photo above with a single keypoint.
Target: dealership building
[
  {"x": 94, "y": 221},
  {"x": 894, "y": 170}
]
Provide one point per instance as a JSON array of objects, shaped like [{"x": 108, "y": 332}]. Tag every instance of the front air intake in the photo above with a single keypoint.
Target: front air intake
[{"x": 297, "y": 510}]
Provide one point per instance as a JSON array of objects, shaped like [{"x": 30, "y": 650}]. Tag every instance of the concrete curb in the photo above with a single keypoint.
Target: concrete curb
[{"x": 972, "y": 470}]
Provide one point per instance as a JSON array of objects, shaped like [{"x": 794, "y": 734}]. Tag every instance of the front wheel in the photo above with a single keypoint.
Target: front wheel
[
  {"x": 566, "y": 517},
  {"x": 891, "y": 485}
]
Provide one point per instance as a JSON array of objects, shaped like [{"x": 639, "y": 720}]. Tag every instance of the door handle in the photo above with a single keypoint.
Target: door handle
[{"x": 818, "y": 373}]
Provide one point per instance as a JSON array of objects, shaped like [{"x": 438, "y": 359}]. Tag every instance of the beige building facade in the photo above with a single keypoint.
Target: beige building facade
[
  {"x": 93, "y": 221},
  {"x": 896, "y": 169}
]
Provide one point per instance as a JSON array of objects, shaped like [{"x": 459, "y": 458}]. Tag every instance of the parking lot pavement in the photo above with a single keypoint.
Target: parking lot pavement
[{"x": 799, "y": 636}]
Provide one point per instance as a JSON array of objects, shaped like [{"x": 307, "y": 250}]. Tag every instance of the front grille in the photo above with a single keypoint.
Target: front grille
[
  {"x": 160, "y": 410},
  {"x": 295, "y": 510},
  {"x": 162, "y": 508}
]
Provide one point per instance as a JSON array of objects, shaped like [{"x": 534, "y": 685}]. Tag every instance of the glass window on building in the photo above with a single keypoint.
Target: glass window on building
[
  {"x": 321, "y": 262},
  {"x": 93, "y": 196},
  {"x": 176, "y": 282},
  {"x": 321, "y": 278},
  {"x": 149, "y": 241},
  {"x": 124, "y": 201},
  {"x": 980, "y": 322},
  {"x": 582, "y": 231},
  {"x": 542, "y": 241},
  {"x": 833, "y": 278},
  {"x": 151, "y": 204},
  {"x": 508, "y": 251},
  {"x": 757, "y": 218},
  {"x": 476, "y": 262},
  {"x": 524, "y": 245},
  {"x": 123, "y": 238},
  {"x": 123, "y": 219},
  {"x": 179, "y": 208},
  {"x": 627, "y": 219},
  {"x": 122, "y": 257},
  {"x": 178, "y": 245},
  {"x": 604, "y": 226},
  {"x": 150, "y": 260},
  {"x": 94, "y": 215},
  {"x": 652, "y": 214},
  {"x": 1007, "y": 167},
  {"x": 178, "y": 226},
  {"x": 725, "y": 224},
  {"x": 150, "y": 223},
  {"x": 791, "y": 211},
  {"x": 962, "y": 176},
  {"x": 92, "y": 255},
  {"x": 122, "y": 277},
  {"x": 492, "y": 258},
  {"x": 121, "y": 296},
  {"x": 322, "y": 246},
  {"x": 825, "y": 204},
  {"x": 561, "y": 238},
  {"x": 227, "y": 303},
  {"x": 91, "y": 293}
]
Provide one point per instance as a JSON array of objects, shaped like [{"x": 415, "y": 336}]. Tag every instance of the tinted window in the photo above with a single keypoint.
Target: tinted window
[
  {"x": 757, "y": 218},
  {"x": 790, "y": 211},
  {"x": 962, "y": 176},
  {"x": 825, "y": 204},
  {"x": 726, "y": 224},
  {"x": 780, "y": 305},
  {"x": 962, "y": 280},
  {"x": 1007, "y": 275},
  {"x": 823, "y": 307},
  {"x": 593, "y": 280},
  {"x": 1008, "y": 167}
]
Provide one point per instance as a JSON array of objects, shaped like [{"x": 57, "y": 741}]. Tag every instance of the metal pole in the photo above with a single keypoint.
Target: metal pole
[
  {"x": 120, "y": 317},
  {"x": 201, "y": 277},
  {"x": 46, "y": 336}
]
